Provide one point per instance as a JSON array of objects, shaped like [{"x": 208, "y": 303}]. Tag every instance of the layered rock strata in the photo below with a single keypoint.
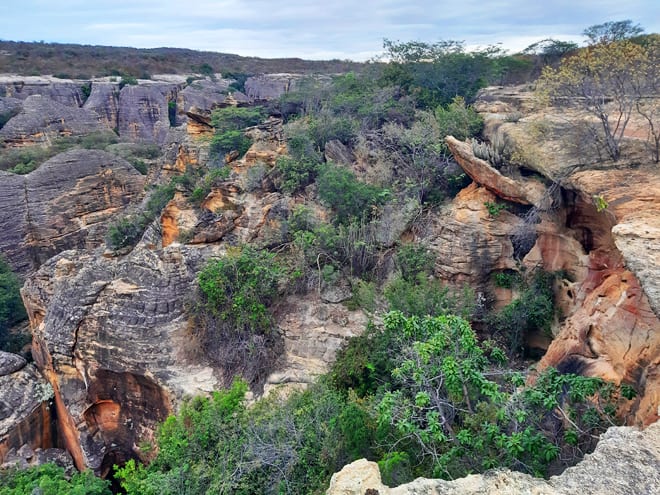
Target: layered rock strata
[{"x": 66, "y": 203}]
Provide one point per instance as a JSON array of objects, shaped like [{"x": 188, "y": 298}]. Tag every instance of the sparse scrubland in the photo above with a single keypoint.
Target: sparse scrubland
[{"x": 437, "y": 385}]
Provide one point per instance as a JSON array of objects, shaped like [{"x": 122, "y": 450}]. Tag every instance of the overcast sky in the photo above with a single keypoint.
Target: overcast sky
[{"x": 312, "y": 29}]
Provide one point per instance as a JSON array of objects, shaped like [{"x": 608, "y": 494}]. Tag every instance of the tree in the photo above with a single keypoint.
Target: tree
[
  {"x": 600, "y": 79},
  {"x": 647, "y": 92},
  {"x": 11, "y": 305},
  {"x": 435, "y": 73},
  {"x": 612, "y": 31}
]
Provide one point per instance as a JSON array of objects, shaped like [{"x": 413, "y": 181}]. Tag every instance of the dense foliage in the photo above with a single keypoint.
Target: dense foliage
[
  {"x": 420, "y": 395},
  {"x": 229, "y": 124},
  {"x": 12, "y": 310},
  {"x": 50, "y": 479}
]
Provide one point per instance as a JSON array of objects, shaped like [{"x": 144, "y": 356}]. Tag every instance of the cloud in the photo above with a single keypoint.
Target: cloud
[{"x": 311, "y": 29}]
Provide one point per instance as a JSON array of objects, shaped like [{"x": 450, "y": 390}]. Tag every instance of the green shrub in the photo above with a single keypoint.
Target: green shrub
[
  {"x": 532, "y": 310},
  {"x": 494, "y": 209},
  {"x": 229, "y": 123},
  {"x": 424, "y": 296},
  {"x": 239, "y": 287},
  {"x": 348, "y": 197},
  {"x": 49, "y": 479},
  {"x": 413, "y": 259},
  {"x": 12, "y": 310},
  {"x": 294, "y": 174},
  {"x": 140, "y": 166}
]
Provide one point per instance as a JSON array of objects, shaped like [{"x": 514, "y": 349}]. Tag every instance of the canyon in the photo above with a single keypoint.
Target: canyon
[{"x": 113, "y": 349}]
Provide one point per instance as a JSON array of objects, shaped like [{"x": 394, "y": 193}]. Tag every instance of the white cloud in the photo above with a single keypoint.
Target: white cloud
[{"x": 311, "y": 28}]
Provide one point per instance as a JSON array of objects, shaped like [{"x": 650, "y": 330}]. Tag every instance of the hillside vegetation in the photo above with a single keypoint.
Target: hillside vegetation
[{"x": 438, "y": 385}]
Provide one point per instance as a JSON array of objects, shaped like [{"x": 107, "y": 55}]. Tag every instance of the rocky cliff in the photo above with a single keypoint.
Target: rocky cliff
[
  {"x": 42, "y": 119},
  {"x": 25, "y": 406},
  {"x": 625, "y": 461},
  {"x": 66, "y": 203}
]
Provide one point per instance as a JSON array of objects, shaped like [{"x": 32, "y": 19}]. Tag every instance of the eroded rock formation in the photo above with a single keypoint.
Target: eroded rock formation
[
  {"x": 42, "y": 119},
  {"x": 25, "y": 413},
  {"x": 66, "y": 203}
]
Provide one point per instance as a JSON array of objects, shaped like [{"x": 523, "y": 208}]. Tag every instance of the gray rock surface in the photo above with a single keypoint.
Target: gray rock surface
[
  {"x": 626, "y": 461},
  {"x": 104, "y": 101},
  {"x": 203, "y": 94},
  {"x": 10, "y": 363},
  {"x": 10, "y": 106},
  {"x": 24, "y": 410},
  {"x": 67, "y": 93},
  {"x": 111, "y": 334},
  {"x": 143, "y": 111},
  {"x": 42, "y": 119},
  {"x": 270, "y": 86},
  {"x": 65, "y": 203}
]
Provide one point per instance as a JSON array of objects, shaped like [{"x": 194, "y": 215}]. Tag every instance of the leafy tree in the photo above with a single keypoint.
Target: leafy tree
[
  {"x": 612, "y": 31},
  {"x": 449, "y": 414},
  {"x": 592, "y": 78},
  {"x": 229, "y": 123},
  {"x": 49, "y": 479},
  {"x": 435, "y": 73},
  {"x": 12, "y": 310}
]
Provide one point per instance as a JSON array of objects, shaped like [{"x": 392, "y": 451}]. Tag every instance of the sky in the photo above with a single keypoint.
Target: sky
[{"x": 343, "y": 29}]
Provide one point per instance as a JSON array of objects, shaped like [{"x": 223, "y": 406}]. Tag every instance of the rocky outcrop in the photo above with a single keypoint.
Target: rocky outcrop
[
  {"x": 25, "y": 415},
  {"x": 65, "y": 203},
  {"x": 43, "y": 119},
  {"x": 109, "y": 336},
  {"x": 313, "y": 332},
  {"x": 143, "y": 111},
  {"x": 68, "y": 93},
  {"x": 204, "y": 95},
  {"x": 625, "y": 461},
  {"x": 524, "y": 191},
  {"x": 470, "y": 243},
  {"x": 104, "y": 101},
  {"x": 9, "y": 107},
  {"x": 270, "y": 86}
]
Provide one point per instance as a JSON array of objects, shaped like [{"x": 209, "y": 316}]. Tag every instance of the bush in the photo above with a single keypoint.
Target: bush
[
  {"x": 12, "y": 310},
  {"x": 49, "y": 479},
  {"x": 229, "y": 123},
  {"x": 348, "y": 197},
  {"x": 532, "y": 310},
  {"x": 239, "y": 287},
  {"x": 294, "y": 174},
  {"x": 413, "y": 259}
]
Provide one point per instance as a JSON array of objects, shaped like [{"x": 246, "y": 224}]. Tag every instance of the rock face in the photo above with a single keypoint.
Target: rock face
[
  {"x": 108, "y": 335},
  {"x": 104, "y": 101},
  {"x": 42, "y": 119},
  {"x": 527, "y": 192},
  {"x": 595, "y": 224},
  {"x": 65, "y": 203},
  {"x": 143, "y": 111},
  {"x": 470, "y": 243},
  {"x": 65, "y": 93},
  {"x": 25, "y": 415},
  {"x": 625, "y": 461}
]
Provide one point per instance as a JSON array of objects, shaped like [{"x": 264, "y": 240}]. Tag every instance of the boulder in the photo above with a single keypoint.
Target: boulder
[
  {"x": 104, "y": 101},
  {"x": 523, "y": 191},
  {"x": 110, "y": 334},
  {"x": 25, "y": 416},
  {"x": 42, "y": 119},
  {"x": 144, "y": 112},
  {"x": 10, "y": 363},
  {"x": 67, "y": 202}
]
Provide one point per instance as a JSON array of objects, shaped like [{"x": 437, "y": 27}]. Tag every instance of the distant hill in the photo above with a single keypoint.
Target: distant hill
[{"x": 87, "y": 61}]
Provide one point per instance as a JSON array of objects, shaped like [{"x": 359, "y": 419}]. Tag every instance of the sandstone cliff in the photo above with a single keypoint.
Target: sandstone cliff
[
  {"x": 42, "y": 119},
  {"x": 65, "y": 203},
  {"x": 25, "y": 412}
]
